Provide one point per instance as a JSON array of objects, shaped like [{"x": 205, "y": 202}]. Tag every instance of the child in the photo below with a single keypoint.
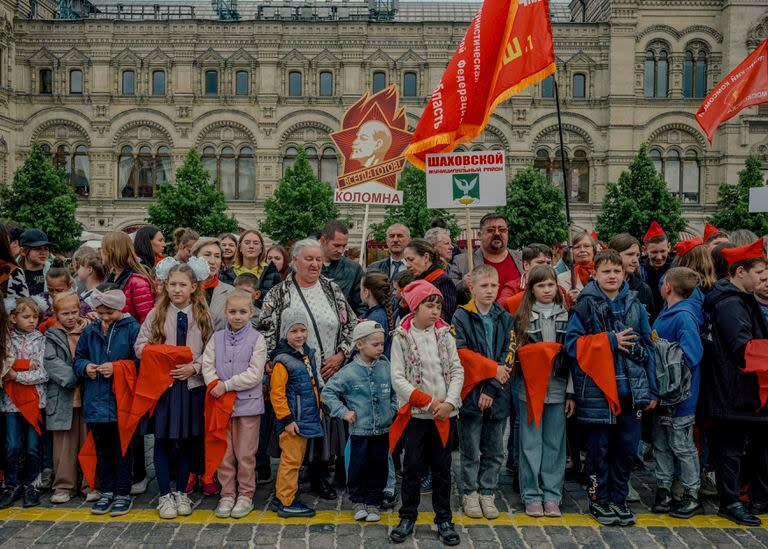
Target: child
[
  {"x": 294, "y": 395},
  {"x": 180, "y": 318},
  {"x": 103, "y": 341},
  {"x": 235, "y": 358},
  {"x": 64, "y": 412},
  {"x": 23, "y": 368},
  {"x": 483, "y": 330},
  {"x": 679, "y": 322},
  {"x": 427, "y": 377},
  {"x": 184, "y": 240},
  {"x": 248, "y": 282},
  {"x": 361, "y": 394},
  {"x": 376, "y": 293},
  {"x": 614, "y": 379},
  {"x": 542, "y": 320},
  {"x": 90, "y": 273},
  {"x": 58, "y": 280}
]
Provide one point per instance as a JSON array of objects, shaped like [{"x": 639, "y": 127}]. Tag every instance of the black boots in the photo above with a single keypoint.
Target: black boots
[{"x": 663, "y": 503}]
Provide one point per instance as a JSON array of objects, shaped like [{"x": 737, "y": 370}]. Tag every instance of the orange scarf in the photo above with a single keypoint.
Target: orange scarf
[
  {"x": 434, "y": 275},
  {"x": 756, "y": 358},
  {"x": 25, "y": 397},
  {"x": 417, "y": 399},
  {"x": 154, "y": 379},
  {"x": 212, "y": 283},
  {"x": 123, "y": 381},
  {"x": 583, "y": 271},
  {"x": 217, "y": 414},
  {"x": 477, "y": 368},
  {"x": 595, "y": 358},
  {"x": 536, "y": 361}
]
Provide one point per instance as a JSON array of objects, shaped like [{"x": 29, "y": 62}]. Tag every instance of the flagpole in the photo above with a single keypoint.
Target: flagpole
[
  {"x": 565, "y": 179},
  {"x": 470, "y": 251},
  {"x": 364, "y": 247}
]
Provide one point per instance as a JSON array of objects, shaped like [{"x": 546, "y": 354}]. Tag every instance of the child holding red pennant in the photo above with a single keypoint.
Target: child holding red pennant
[
  {"x": 614, "y": 380},
  {"x": 104, "y": 360},
  {"x": 180, "y": 318},
  {"x": 545, "y": 391},
  {"x": 23, "y": 398},
  {"x": 233, "y": 369},
  {"x": 483, "y": 335},
  {"x": 427, "y": 377}
]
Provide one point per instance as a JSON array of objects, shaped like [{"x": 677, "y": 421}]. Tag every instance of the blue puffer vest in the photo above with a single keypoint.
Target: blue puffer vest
[
  {"x": 233, "y": 357},
  {"x": 300, "y": 391},
  {"x": 635, "y": 379}
]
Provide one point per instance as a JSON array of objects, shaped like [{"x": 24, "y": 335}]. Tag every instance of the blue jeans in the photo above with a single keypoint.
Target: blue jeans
[
  {"x": 542, "y": 454},
  {"x": 21, "y": 439}
]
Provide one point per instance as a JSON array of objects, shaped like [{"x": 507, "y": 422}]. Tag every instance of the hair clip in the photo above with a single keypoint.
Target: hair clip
[
  {"x": 163, "y": 268},
  {"x": 41, "y": 303},
  {"x": 10, "y": 304},
  {"x": 200, "y": 267}
]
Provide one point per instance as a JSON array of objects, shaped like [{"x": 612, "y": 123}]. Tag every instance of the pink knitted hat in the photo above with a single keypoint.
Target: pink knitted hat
[{"x": 417, "y": 291}]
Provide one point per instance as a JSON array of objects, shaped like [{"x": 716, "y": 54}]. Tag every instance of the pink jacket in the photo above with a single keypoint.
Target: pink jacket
[{"x": 139, "y": 299}]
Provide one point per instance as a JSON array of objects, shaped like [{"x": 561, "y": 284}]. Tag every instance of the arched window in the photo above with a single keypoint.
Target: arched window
[
  {"x": 242, "y": 83},
  {"x": 691, "y": 178},
  {"x": 211, "y": 82},
  {"x": 289, "y": 158},
  {"x": 655, "y": 156},
  {"x": 158, "y": 82},
  {"x": 579, "y": 180},
  {"x": 209, "y": 163},
  {"x": 311, "y": 153},
  {"x": 47, "y": 151},
  {"x": 548, "y": 87},
  {"x": 227, "y": 176},
  {"x": 129, "y": 83},
  {"x": 379, "y": 81},
  {"x": 579, "y": 86},
  {"x": 76, "y": 82},
  {"x": 232, "y": 172},
  {"x": 656, "y": 73},
  {"x": 672, "y": 167},
  {"x": 683, "y": 175},
  {"x": 246, "y": 175},
  {"x": 326, "y": 84},
  {"x": 578, "y": 170},
  {"x": 294, "y": 84},
  {"x": 695, "y": 74},
  {"x": 46, "y": 82},
  {"x": 81, "y": 175},
  {"x": 688, "y": 74},
  {"x": 409, "y": 84},
  {"x": 329, "y": 166},
  {"x": 700, "y": 87},
  {"x": 140, "y": 175},
  {"x": 63, "y": 160}
]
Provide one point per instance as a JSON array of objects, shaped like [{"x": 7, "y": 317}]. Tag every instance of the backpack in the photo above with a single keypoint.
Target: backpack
[{"x": 672, "y": 374}]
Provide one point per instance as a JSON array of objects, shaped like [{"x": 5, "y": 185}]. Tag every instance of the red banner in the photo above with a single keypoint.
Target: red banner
[
  {"x": 507, "y": 47},
  {"x": 745, "y": 86}
]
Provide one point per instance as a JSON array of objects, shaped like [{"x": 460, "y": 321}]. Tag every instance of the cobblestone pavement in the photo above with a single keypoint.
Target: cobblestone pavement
[{"x": 72, "y": 525}]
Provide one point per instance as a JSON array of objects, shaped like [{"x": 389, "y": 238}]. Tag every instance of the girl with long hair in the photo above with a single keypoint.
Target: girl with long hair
[
  {"x": 184, "y": 240},
  {"x": 149, "y": 244},
  {"x": 126, "y": 271},
  {"x": 251, "y": 254},
  {"x": 376, "y": 293}
]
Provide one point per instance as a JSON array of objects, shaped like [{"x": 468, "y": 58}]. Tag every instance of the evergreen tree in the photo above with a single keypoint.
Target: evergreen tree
[
  {"x": 413, "y": 212},
  {"x": 301, "y": 204},
  {"x": 733, "y": 202},
  {"x": 40, "y": 197},
  {"x": 534, "y": 210},
  {"x": 639, "y": 197},
  {"x": 192, "y": 201}
]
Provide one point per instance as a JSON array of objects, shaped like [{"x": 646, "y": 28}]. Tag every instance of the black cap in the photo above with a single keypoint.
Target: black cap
[{"x": 33, "y": 238}]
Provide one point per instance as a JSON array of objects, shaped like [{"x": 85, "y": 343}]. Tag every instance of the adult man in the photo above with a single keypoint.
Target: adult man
[
  {"x": 371, "y": 144},
  {"x": 494, "y": 237},
  {"x": 656, "y": 261},
  {"x": 398, "y": 237},
  {"x": 734, "y": 395},
  {"x": 343, "y": 271}
]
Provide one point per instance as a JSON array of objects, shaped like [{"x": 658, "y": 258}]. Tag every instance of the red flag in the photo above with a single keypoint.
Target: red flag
[
  {"x": 507, "y": 47},
  {"x": 746, "y": 85}
]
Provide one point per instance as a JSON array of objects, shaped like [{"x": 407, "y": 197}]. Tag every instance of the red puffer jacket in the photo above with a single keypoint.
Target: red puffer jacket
[{"x": 139, "y": 299}]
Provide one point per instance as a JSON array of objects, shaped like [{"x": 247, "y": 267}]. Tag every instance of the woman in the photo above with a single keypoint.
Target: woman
[
  {"x": 629, "y": 249},
  {"x": 12, "y": 281},
  {"x": 583, "y": 252},
  {"x": 424, "y": 263},
  {"x": 251, "y": 254},
  {"x": 228, "y": 250},
  {"x": 330, "y": 334},
  {"x": 149, "y": 244},
  {"x": 215, "y": 290},
  {"x": 126, "y": 271},
  {"x": 184, "y": 239},
  {"x": 700, "y": 260},
  {"x": 279, "y": 257}
]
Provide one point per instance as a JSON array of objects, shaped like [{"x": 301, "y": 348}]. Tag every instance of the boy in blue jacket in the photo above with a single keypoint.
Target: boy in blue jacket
[
  {"x": 614, "y": 379},
  {"x": 680, "y": 322}
]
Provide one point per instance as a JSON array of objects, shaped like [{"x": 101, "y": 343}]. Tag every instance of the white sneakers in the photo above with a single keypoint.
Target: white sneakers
[
  {"x": 92, "y": 496},
  {"x": 60, "y": 496},
  {"x": 373, "y": 514},
  {"x": 471, "y": 505},
  {"x": 183, "y": 504},
  {"x": 224, "y": 508},
  {"x": 242, "y": 508},
  {"x": 360, "y": 511},
  {"x": 488, "y": 506},
  {"x": 140, "y": 487},
  {"x": 166, "y": 506}
]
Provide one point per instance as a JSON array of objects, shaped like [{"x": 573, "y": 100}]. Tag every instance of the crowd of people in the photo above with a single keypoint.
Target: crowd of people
[{"x": 559, "y": 361}]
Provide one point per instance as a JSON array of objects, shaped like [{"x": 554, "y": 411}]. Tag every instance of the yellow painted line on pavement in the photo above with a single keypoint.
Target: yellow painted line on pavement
[{"x": 345, "y": 517}]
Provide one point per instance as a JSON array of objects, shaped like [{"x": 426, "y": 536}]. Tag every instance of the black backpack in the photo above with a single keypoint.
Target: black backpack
[{"x": 673, "y": 376}]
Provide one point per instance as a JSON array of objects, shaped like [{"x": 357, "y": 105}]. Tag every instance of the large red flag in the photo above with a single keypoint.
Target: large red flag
[
  {"x": 507, "y": 47},
  {"x": 746, "y": 85}
]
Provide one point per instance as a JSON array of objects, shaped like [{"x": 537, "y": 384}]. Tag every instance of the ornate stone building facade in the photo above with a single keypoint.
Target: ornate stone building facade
[{"x": 118, "y": 98}]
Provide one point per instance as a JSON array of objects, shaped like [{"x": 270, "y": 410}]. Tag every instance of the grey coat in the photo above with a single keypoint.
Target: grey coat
[
  {"x": 62, "y": 380},
  {"x": 218, "y": 305}
]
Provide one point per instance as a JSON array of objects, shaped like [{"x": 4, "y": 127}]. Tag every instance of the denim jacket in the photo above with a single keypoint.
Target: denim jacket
[{"x": 366, "y": 390}]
